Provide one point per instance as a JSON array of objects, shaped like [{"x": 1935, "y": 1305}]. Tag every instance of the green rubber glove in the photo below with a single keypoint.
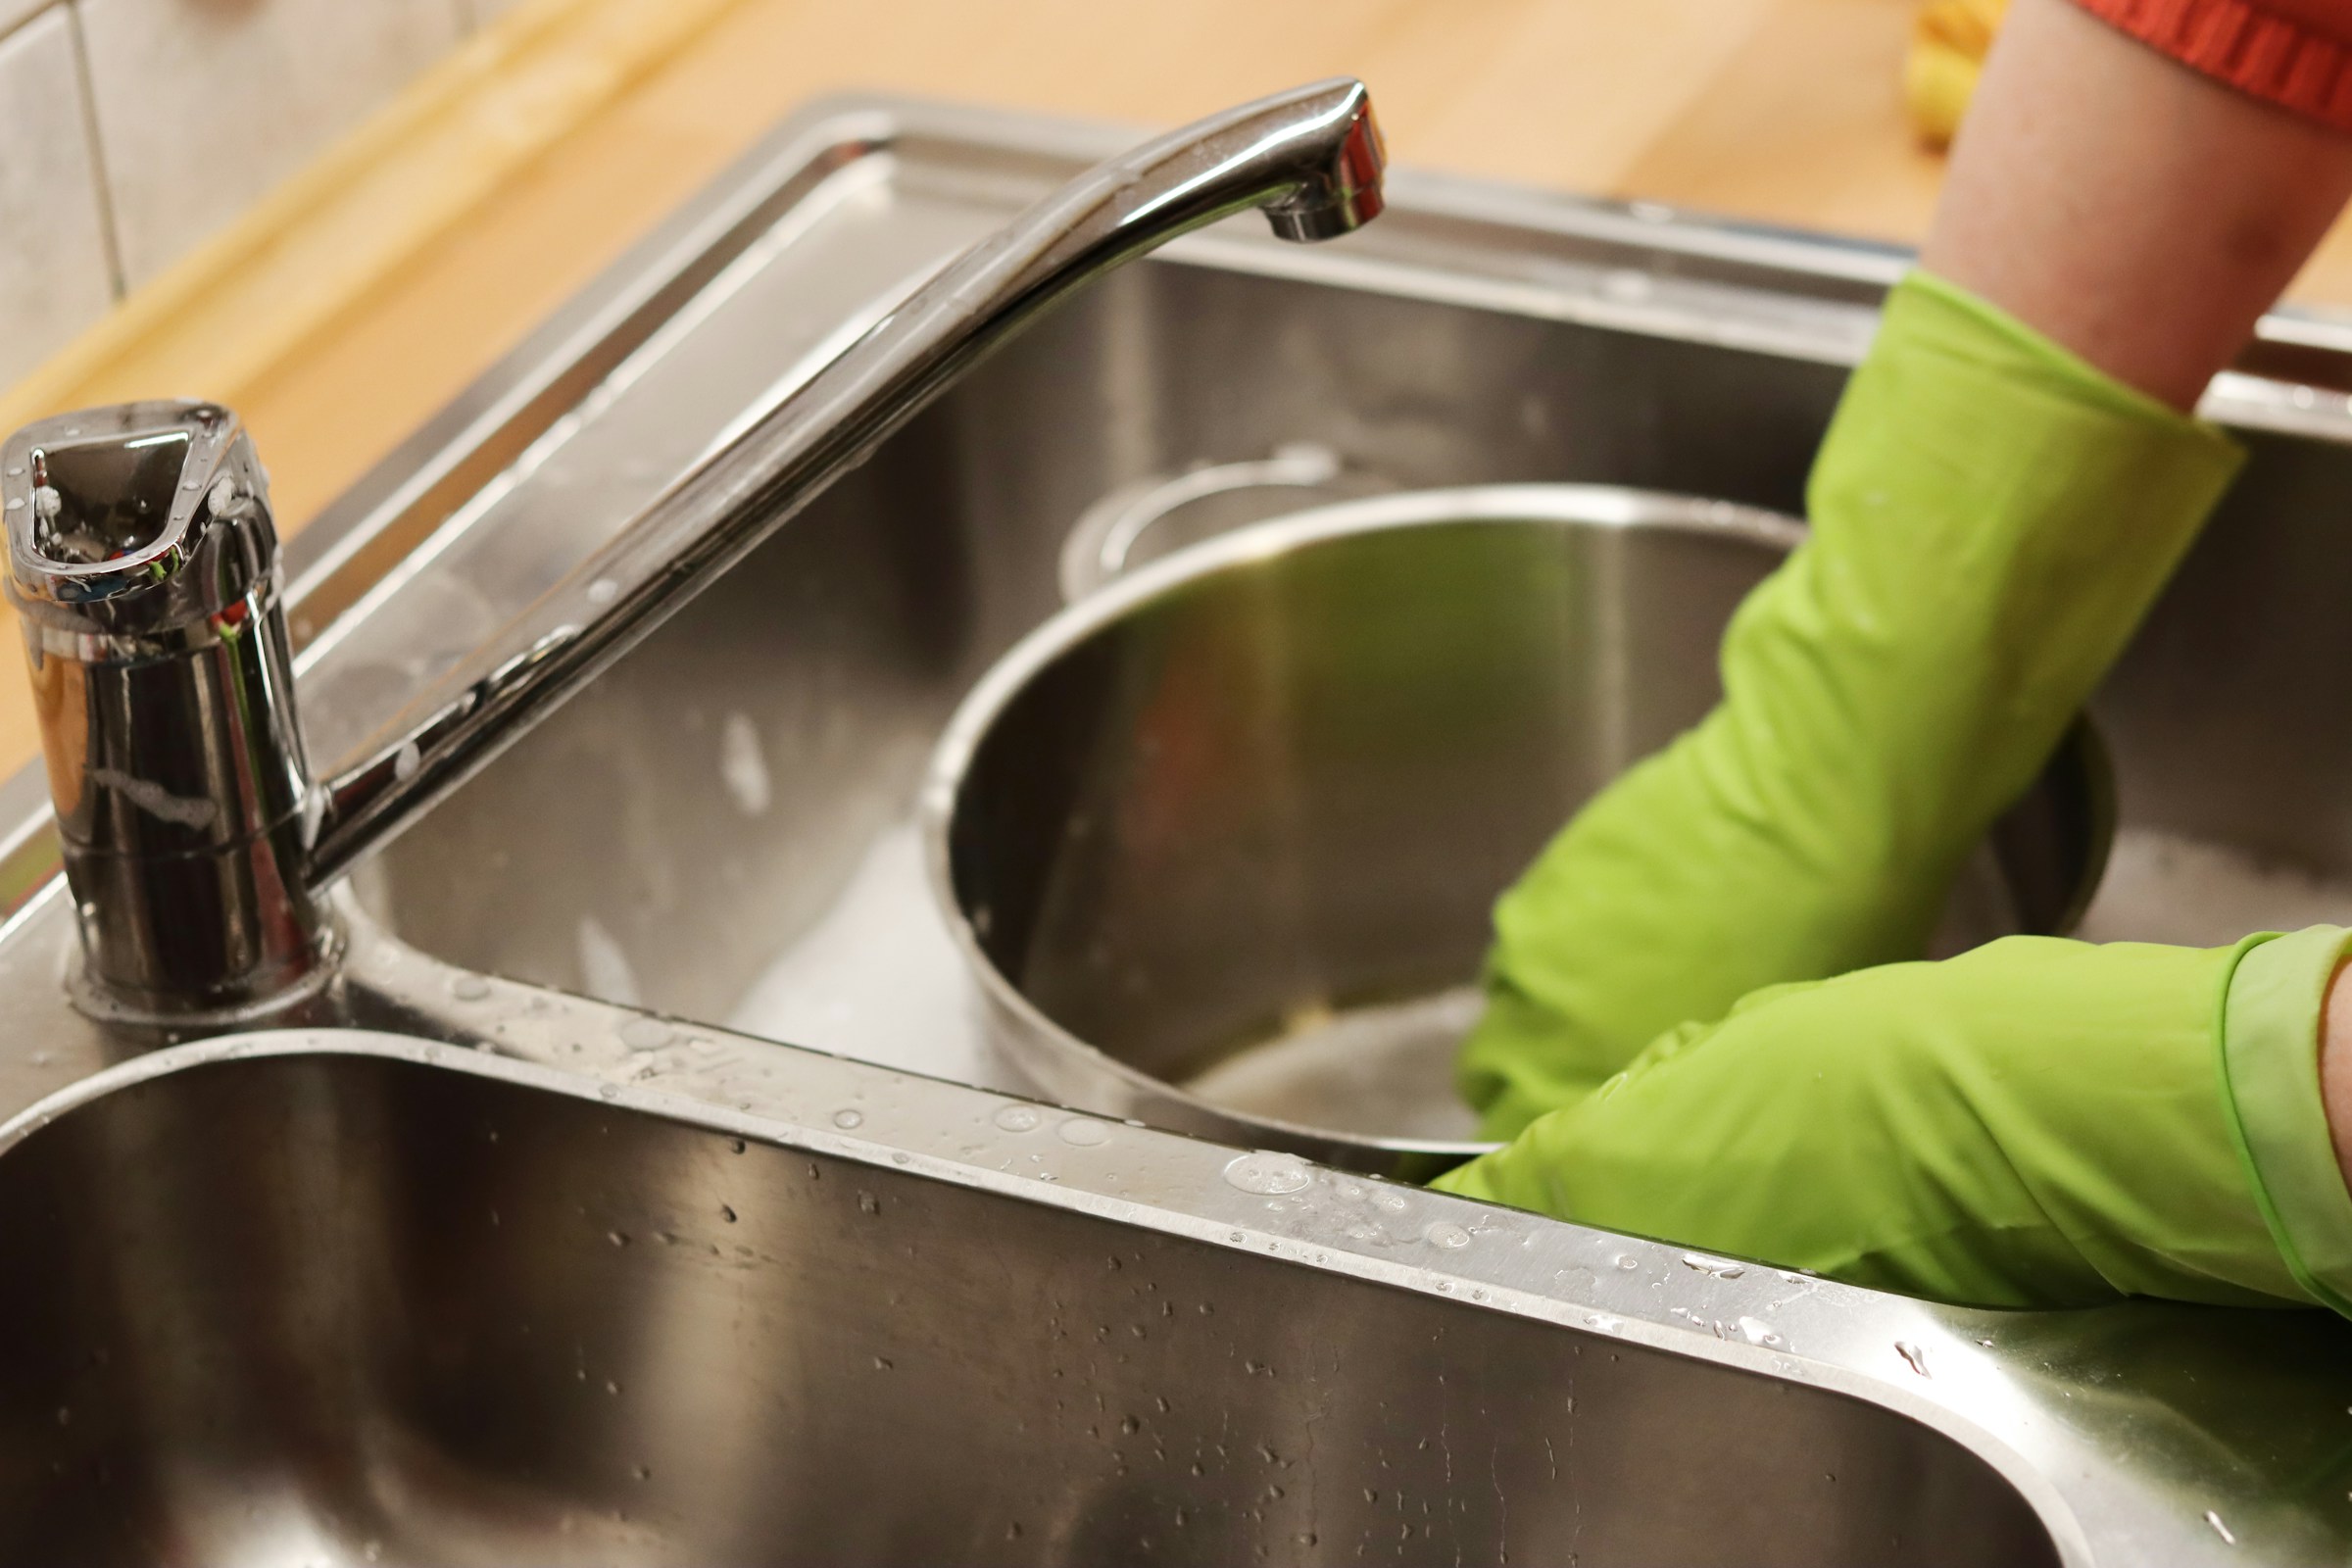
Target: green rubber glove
[
  {"x": 1992, "y": 518},
  {"x": 2035, "y": 1123}
]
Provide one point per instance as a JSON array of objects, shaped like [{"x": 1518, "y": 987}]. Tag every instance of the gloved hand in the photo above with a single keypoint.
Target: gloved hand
[
  {"x": 2035, "y": 1123},
  {"x": 1992, "y": 518}
]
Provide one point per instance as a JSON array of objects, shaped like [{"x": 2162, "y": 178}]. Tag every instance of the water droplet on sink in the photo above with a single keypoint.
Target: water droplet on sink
[
  {"x": 1722, "y": 1268},
  {"x": 1913, "y": 1356},
  {"x": 608, "y": 1090},
  {"x": 1757, "y": 1332},
  {"x": 1017, "y": 1118},
  {"x": 1604, "y": 1323},
  {"x": 1084, "y": 1132},
  {"x": 468, "y": 987},
  {"x": 645, "y": 1034},
  {"x": 645, "y": 1472},
  {"x": 1627, "y": 1260},
  {"x": 617, "y": 1237},
  {"x": 1268, "y": 1173},
  {"x": 882, "y": 1364},
  {"x": 728, "y": 1211},
  {"x": 742, "y": 765},
  {"x": 1393, "y": 1202},
  {"x": 611, "y": 1387},
  {"x": 2220, "y": 1529},
  {"x": 603, "y": 591},
  {"x": 1446, "y": 1234},
  {"x": 846, "y": 1119}
]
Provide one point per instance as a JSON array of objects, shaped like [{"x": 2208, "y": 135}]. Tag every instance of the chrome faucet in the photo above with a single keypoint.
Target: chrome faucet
[
  {"x": 143, "y": 558},
  {"x": 145, "y": 565}
]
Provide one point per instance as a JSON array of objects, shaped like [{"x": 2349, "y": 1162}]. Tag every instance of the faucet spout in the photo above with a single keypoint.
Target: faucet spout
[{"x": 1310, "y": 158}]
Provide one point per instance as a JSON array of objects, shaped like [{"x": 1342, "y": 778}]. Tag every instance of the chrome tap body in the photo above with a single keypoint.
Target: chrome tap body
[
  {"x": 195, "y": 839},
  {"x": 143, "y": 563}
]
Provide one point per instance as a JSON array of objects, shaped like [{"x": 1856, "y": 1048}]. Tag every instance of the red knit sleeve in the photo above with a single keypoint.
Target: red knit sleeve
[{"x": 2293, "y": 53}]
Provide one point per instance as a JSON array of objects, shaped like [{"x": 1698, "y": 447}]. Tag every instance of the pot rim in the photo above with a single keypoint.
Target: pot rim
[{"x": 1580, "y": 505}]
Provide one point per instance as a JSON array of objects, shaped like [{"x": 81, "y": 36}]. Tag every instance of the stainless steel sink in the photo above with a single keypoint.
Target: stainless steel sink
[
  {"x": 338, "y": 1305},
  {"x": 288, "y": 1300}
]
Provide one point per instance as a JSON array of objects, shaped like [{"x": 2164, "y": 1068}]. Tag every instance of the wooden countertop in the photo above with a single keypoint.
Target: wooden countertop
[{"x": 375, "y": 287}]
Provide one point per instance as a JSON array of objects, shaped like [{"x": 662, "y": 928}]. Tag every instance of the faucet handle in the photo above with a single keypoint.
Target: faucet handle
[
  {"x": 106, "y": 506},
  {"x": 143, "y": 559}
]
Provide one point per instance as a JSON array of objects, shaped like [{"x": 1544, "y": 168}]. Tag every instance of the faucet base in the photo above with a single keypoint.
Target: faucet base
[{"x": 275, "y": 995}]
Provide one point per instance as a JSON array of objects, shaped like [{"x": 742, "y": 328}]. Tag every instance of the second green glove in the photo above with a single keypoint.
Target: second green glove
[{"x": 2034, "y": 1123}]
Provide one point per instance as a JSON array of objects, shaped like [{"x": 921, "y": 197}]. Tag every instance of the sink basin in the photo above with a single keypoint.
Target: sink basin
[{"x": 329, "y": 1303}]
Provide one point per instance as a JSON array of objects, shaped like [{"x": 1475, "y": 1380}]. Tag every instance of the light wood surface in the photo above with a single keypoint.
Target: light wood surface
[{"x": 376, "y": 285}]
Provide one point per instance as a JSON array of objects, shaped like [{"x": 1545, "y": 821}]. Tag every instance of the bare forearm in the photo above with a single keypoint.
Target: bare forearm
[
  {"x": 2121, "y": 204},
  {"x": 2336, "y": 1065}
]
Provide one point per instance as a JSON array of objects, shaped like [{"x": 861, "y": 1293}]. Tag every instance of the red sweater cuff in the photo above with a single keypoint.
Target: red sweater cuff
[{"x": 2257, "y": 51}]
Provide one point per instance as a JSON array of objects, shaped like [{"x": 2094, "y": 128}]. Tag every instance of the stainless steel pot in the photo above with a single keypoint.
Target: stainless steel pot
[{"x": 1221, "y": 839}]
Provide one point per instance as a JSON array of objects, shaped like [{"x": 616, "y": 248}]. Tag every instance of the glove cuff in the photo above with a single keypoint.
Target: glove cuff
[{"x": 2270, "y": 1035}]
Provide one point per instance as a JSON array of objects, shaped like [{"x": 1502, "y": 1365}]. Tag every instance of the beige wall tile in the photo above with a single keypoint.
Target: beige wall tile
[
  {"x": 481, "y": 13},
  {"x": 54, "y": 276},
  {"x": 203, "y": 105}
]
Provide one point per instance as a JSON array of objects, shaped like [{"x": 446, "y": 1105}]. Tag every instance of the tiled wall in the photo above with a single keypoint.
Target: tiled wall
[{"x": 134, "y": 129}]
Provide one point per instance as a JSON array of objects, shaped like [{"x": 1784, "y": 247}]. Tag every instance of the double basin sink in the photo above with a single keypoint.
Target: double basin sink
[{"x": 530, "y": 1244}]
